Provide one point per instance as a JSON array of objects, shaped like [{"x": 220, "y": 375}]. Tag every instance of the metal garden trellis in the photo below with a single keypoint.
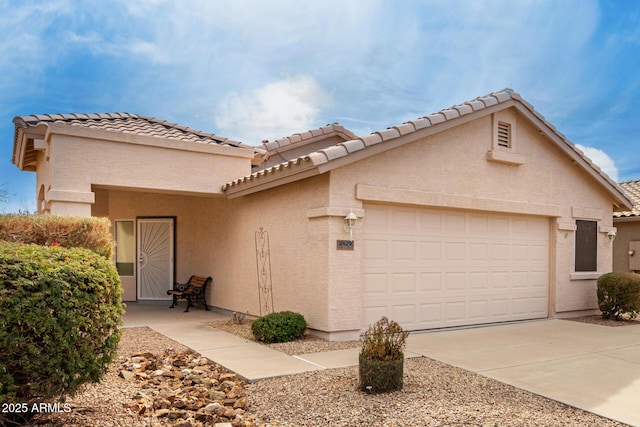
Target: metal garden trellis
[{"x": 263, "y": 264}]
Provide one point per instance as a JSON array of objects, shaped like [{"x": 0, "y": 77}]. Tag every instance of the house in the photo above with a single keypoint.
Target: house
[
  {"x": 626, "y": 248},
  {"x": 480, "y": 213}
]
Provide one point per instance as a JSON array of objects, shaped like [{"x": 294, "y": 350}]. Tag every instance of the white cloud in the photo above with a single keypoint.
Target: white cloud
[
  {"x": 272, "y": 111},
  {"x": 602, "y": 160}
]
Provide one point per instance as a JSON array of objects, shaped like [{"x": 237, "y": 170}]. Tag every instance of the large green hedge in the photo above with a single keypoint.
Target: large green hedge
[
  {"x": 61, "y": 309},
  {"x": 619, "y": 294}
]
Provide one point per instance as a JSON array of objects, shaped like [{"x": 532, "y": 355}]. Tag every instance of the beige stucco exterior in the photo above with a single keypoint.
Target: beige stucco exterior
[
  {"x": 71, "y": 160},
  {"x": 627, "y": 239},
  {"x": 456, "y": 163}
]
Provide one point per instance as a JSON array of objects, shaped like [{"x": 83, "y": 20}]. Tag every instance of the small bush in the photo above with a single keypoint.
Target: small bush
[
  {"x": 283, "y": 326},
  {"x": 59, "y": 325},
  {"x": 619, "y": 294},
  {"x": 384, "y": 340},
  {"x": 381, "y": 359},
  {"x": 91, "y": 233}
]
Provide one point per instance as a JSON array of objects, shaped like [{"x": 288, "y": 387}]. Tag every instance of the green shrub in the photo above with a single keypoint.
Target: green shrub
[
  {"x": 283, "y": 326},
  {"x": 618, "y": 294},
  {"x": 66, "y": 231},
  {"x": 59, "y": 325},
  {"x": 384, "y": 340}
]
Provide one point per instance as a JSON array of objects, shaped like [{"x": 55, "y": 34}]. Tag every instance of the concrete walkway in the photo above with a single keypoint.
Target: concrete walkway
[{"x": 596, "y": 368}]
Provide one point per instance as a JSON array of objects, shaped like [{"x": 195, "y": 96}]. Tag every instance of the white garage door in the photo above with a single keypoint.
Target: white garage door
[{"x": 431, "y": 268}]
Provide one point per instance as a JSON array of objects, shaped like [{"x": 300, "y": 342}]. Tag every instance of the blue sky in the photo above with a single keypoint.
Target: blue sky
[{"x": 254, "y": 70}]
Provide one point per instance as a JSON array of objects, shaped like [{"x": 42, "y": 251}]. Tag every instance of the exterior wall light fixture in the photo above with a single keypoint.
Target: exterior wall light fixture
[
  {"x": 350, "y": 223},
  {"x": 611, "y": 235}
]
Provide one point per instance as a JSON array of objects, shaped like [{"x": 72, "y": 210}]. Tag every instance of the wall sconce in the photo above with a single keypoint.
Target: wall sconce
[
  {"x": 631, "y": 252},
  {"x": 350, "y": 223},
  {"x": 611, "y": 235}
]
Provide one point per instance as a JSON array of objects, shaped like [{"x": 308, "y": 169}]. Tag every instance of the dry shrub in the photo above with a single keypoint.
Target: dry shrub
[
  {"x": 384, "y": 340},
  {"x": 66, "y": 231}
]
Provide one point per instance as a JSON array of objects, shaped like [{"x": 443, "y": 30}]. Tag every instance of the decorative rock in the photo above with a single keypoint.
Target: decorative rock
[
  {"x": 161, "y": 413},
  {"x": 226, "y": 385},
  {"x": 236, "y": 391},
  {"x": 127, "y": 375},
  {"x": 228, "y": 377},
  {"x": 213, "y": 407},
  {"x": 186, "y": 388},
  {"x": 174, "y": 415},
  {"x": 217, "y": 395},
  {"x": 241, "y": 403}
]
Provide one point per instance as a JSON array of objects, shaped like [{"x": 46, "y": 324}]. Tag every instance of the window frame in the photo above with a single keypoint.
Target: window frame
[
  {"x": 132, "y": 249},
  {"x": 585, "y": 259}
]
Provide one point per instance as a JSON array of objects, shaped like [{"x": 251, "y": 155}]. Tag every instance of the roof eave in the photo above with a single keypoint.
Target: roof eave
[{"x": 275, "y": 176}]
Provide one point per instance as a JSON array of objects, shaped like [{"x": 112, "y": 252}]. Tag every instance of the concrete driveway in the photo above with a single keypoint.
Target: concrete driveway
[{"x": 592, "y": 367}]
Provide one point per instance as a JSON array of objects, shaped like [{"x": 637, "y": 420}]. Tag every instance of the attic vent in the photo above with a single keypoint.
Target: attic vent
[{"x": 504, "y": 135}]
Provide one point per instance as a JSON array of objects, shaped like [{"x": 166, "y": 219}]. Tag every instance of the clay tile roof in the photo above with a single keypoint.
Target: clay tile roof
[
  {"x": 632, "y": 189},
  {"x": 299, "y": 138},
  {"x": 329, "y": 154},
  {"x": 126, "y": 123}
]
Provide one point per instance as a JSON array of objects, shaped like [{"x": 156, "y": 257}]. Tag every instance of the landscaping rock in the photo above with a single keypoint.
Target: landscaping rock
[{"x": 185, "y": 387}]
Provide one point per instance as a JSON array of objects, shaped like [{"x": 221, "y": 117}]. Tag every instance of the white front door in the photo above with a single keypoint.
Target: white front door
[{"x": 155, "y": 258}]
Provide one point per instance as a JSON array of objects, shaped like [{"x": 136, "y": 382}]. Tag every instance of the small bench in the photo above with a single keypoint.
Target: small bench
[{"x": 193, "y": 291}]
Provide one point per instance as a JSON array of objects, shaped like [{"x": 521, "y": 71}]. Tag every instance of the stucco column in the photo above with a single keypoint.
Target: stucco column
[{"x": 70, "y": 202}]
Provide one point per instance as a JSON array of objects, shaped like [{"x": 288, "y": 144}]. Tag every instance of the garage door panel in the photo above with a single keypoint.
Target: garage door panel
[
  {"x": 454, "y": 251},
  {"x": 373, "y": 313},
  {"x": 374, "y": 250},
  {"x": 454, "y": 310},
  {"x": 454, "y": 222},
  {"x": 499, "y": 251},
  {"x": 519, "y": 252},
  {"x": 403, "y": 220},
  {"x": 431, "y": 281},
  {"x": 430, "y": 251},
  {"x": 454, "y": 281},
  {"x": 375, "y": 284},
  {"x": 478, "y": 309},
  {"x": 430, "y": 313},
  {"x": 429, "y": 221},
  {"x": 404, "y": 313},
  {"x": 457, "y": 268},
  {"x": 403, "y": 250},
  {"x": 403, "y": 283},
  {"x": 478, "y": 280}
]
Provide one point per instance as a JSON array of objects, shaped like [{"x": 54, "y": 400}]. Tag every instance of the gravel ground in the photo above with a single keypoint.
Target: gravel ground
[{"x": 434, "y": 394}]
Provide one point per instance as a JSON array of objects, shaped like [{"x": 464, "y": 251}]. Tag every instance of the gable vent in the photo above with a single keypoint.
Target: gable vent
[{"x": 504, "y": 135}]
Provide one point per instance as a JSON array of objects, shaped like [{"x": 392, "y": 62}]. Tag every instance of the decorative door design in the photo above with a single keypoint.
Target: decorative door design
[
  {"x": 263, "y": 262},
  {"x": 155, "y": 258}
]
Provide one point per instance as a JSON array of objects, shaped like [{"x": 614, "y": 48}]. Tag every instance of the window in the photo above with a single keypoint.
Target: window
[
  {"x": 125, "y": 247},
  {"x": 504, "y": 135},
  {"x": 586, "y": 245}
]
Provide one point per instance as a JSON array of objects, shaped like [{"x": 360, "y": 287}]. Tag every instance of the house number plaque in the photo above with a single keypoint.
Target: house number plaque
[{"x": 344, "y": 245}]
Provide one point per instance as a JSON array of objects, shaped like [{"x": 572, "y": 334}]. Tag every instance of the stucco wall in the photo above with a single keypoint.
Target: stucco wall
[
  {"x": 76, "y": 163},
  {"x": 298, "y": 249},
  {"x": 627, "y": 231},
  {"x": 451, "y": 170}
]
